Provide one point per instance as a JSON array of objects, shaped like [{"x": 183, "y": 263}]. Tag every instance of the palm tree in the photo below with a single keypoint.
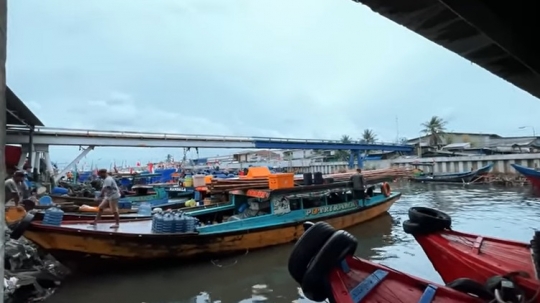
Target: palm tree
[
  {"x": 435, "y": 129},
  {"x": 169, "y": 158},
  {"x": 368, "y": 136},
  {"x": 343, "y": 155}
]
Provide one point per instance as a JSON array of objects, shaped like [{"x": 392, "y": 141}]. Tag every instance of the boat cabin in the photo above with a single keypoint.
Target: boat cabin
[
  {"x": 142, "y": 190},
  {"x": 283, "y": 205}
]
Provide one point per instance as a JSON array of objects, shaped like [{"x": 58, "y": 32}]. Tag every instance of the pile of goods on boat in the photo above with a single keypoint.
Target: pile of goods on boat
[
  {"x": 323, "y": 263},
  {"x": 173, "y": 222},
  {"x": 492, "y": 269},
  {"x": 258, "y": 177}
]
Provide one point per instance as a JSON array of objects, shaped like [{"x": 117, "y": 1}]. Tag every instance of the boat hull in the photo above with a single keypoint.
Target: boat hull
[
  {"x": 457, "y": 255},
  {"x": 69, "y": 241},
  {"x": 463, "y": 177},
  {"x": 531, "y": 174},
  {"x": 372, "y": 282}
]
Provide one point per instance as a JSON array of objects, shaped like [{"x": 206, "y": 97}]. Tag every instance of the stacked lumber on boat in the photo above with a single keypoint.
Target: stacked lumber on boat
[{"x": 371, "y": 176}]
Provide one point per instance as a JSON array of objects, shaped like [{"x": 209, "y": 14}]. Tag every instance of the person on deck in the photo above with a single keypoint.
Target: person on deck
[
  {"x": 360, "y": 185},
  {"x": 15, "y": 188},
  {"x": 110, "y": 194}
]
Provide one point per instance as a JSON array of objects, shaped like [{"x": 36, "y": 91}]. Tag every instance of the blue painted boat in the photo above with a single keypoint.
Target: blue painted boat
[
  {"x": 253, "y": 219},
  {"x": 462, "y": 177},
  {"x": 147, "y": 194},
  {"x": 531, "y": 174}
]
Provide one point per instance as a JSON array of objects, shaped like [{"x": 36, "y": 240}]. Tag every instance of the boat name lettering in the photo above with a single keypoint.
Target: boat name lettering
[
  {"x": 257, "y": 194},
  {"x": 177, "y": 189},
  {"x": 330, "y": 208}
]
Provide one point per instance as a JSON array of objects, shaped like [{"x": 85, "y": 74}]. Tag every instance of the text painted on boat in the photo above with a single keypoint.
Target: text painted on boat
[
  {"x": 177, "y": 189},
  {"x": 330, "y": 208}
]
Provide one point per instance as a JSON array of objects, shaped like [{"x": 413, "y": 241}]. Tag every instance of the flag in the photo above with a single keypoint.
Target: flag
[{"x": 138, "y": 164}]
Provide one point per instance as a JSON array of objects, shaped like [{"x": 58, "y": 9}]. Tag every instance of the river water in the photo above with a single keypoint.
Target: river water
[{"x": 505, "y": 213}]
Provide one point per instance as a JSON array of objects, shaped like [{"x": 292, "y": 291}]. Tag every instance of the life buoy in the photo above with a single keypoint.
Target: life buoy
[{"x": 385, "y": 189}]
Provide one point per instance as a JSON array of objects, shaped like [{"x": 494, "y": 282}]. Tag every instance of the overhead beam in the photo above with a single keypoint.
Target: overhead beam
[
  {"x": 333, "y": 146},
  {"x": 481, "y": 17}
]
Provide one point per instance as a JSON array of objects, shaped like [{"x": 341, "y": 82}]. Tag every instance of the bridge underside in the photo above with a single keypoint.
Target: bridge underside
[
  {"x": 120, "y": 139},
  {"x": 496, "y": 35}
]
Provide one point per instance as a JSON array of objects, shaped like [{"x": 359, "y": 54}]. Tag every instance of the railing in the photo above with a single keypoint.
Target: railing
[{"x": 49, "y": 131}]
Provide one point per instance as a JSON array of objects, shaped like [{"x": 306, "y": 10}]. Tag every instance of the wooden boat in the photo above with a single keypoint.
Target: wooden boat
[
  {"x": 322, "y": 262},
  {"x": 141, "y": 193},
  {"x": 462, "y": 177},
  {"x": 255, "y": 219},
  {"x": 531, "y": 174},
  {"x": 485, "y": 260}
]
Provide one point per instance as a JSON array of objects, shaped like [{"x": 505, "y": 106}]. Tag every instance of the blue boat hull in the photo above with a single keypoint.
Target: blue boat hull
[{"x": 463, "y": 177}]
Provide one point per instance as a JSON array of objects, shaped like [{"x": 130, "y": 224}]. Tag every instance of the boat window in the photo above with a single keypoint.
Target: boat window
[
  {"x": 336, "y": 198},
  {"x": 141, "y": 191},
  {"x": 295, "y": 204},
  {"x": 313, "y": 202}
]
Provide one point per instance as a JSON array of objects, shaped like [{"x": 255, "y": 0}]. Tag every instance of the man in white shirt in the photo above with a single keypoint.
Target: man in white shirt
[
  {"x": 15, "y": 188},
  {"x": 110, "y": 194}
]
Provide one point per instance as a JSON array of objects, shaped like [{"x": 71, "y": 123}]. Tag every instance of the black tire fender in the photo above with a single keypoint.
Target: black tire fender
[
  {"x": 430, "y": 217},
  {"x": 415, "y": 228},
  {"x": 316, "y": 285},
  {"x": 307, "y": 247},
  {"x": 21, "y": 227},
  {"x": 472, "y": 287}
]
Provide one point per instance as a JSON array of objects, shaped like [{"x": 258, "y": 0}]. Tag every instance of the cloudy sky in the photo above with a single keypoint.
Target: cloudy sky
[{"x": 303, "y": 68}]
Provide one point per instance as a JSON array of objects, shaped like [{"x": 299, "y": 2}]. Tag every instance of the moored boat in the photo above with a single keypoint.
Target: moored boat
[
  {"x": 139, "y": 194},
  {"x": 89, "y": 212},
  {"x": 130, "y": 214},
  {"x": 487, "y": 261},
  {"x": 461, "y": 177},
  {"x": 323, "y": 263},
  {"x": 531, "y": 174},
  {"x": 255, "y": 219}
]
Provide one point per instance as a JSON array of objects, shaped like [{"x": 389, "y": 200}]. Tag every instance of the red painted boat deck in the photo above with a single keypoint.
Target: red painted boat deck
[
  {"x": 457, "y": 255},
  {"x": 364, "y": 281}
]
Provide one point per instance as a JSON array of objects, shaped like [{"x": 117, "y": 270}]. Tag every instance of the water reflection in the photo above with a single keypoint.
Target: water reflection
[{"x": 507, "y": 213}]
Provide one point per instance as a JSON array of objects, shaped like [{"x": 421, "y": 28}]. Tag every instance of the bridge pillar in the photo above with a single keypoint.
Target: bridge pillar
[
  {"x": 356, "y": 154},
  {"x": 351, "y": 159},
  {"x": 359, "y": 159}
]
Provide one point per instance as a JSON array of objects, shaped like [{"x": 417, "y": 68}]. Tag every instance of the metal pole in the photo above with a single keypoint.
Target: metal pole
[{"x": 3, "y": 121}]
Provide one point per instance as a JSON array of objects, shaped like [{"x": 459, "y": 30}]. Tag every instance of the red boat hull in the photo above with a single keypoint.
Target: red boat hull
[
  {"x": 363, "y": 281},
  {"x": 459, "y": 255}
]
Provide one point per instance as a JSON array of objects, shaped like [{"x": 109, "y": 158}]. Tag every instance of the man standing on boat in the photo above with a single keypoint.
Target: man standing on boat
[
  {"x": 359, "y": 185},
  {"x": 110, "y": 194}
]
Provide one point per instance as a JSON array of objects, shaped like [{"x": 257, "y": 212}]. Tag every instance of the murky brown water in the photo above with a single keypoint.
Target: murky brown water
[{"x": 506, "y": 213}]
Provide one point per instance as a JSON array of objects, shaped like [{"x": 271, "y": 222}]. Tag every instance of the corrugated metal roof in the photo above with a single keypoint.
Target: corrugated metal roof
[
  {"x": 457, "y": 145},
  {"x": 496, "y": 35},
  {"x": 18, "y": 113},
  {"x": 514, "y": 141}
]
